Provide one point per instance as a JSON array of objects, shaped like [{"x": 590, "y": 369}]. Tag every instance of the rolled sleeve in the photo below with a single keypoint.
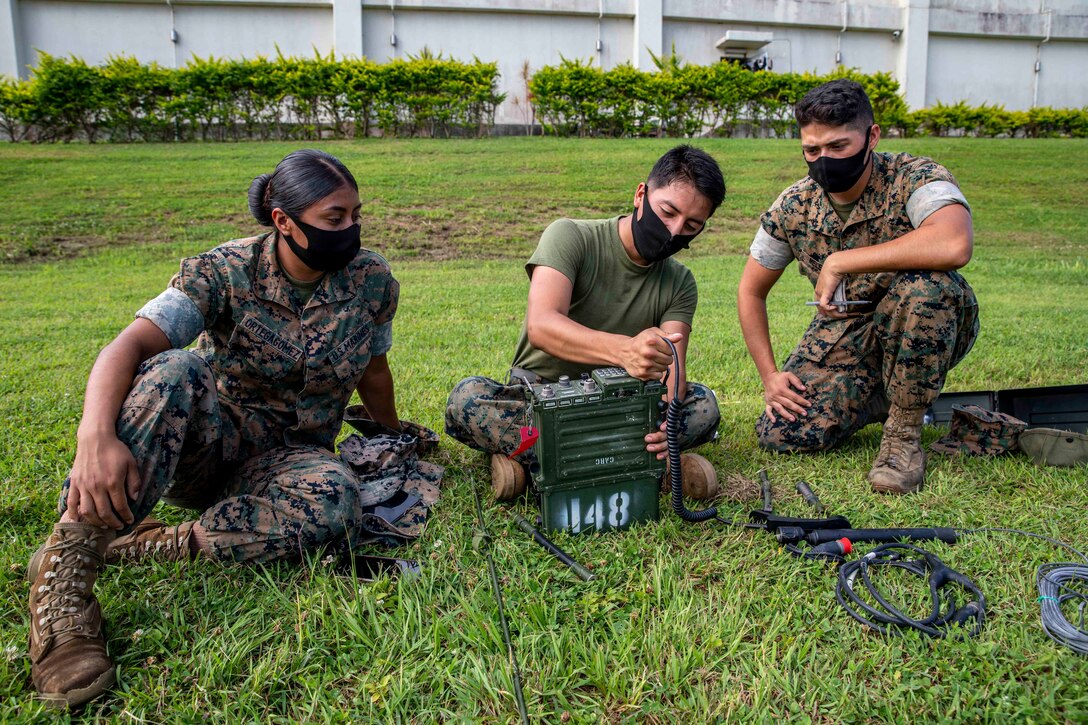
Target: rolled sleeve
[
  {"x": 769, "y": 251},
  {"x": 930, "y": 197},
  {"x": 204, "y": 282},
  {"x": 383, "y": 339},
  {"x": 176, "y": 315},
  {"x": 387, "y": 307}
]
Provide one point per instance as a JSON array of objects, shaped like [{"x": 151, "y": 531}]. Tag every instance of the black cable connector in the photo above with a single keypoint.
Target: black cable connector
[{"x": 946, "y": 615}]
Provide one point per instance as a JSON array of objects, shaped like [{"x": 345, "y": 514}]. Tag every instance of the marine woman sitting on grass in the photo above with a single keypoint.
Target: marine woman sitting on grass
[{"x": 287, "y": 324}]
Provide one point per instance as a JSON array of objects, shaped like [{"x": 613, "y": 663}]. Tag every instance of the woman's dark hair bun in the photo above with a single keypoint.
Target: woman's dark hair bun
[
  {"x": 258, "y": 200},
  {"x": 300, "y": 180}
]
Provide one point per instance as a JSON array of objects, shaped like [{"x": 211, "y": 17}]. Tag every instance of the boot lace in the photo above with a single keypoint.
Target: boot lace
[
  {"x": 160, "y": 541},
  {"x": 896, "y": 449},
  {"x": 65, "y": 586},
  {"x": 894, "y": 454}
]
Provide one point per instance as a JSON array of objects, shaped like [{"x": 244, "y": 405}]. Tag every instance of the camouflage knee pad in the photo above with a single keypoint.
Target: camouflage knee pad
[{"x": 807, "y": 434}]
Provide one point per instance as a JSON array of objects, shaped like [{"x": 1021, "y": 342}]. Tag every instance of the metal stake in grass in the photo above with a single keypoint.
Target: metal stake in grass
[
  {"x": 550, "y": 547},
  {"x": 482, "y": 540}
]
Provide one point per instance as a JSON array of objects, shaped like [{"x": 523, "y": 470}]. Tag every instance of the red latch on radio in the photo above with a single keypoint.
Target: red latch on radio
[{"x": 529, "y": 434}]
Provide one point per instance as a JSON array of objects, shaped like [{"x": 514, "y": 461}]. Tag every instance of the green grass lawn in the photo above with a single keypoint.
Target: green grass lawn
[{"x": 685, "y": 623}]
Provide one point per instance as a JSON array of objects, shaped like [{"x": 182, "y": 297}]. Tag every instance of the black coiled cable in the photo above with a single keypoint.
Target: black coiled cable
[
  {"x": 945, "y": 613},
  {"x": 672, "y": 437}
]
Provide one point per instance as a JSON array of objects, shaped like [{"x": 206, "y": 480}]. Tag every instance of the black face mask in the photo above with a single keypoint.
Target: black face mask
[
  {"x": 838, "y": 175},
  {"x": 653, "y": 240},
  {"x": 329, "y": 250}
]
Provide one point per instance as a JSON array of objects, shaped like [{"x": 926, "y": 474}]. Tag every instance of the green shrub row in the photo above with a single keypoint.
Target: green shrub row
[
  {"x": 310, "y": 98},
  {"x": 579, "y": 99},
  {"x": 985, "y": 120},
  {"x": 576, "y": 98},
  {"x": 277, "y": 98}
]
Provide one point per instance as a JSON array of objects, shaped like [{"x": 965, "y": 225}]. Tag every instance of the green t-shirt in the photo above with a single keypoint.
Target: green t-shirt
[
  {"x": 611, "y": 293},
  {"x": 843, "y": 210},
  {"x": 305, "y": 290}
]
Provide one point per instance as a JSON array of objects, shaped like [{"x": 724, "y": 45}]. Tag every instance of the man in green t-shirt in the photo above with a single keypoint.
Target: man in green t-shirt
[{"x": 604, "y": 293}]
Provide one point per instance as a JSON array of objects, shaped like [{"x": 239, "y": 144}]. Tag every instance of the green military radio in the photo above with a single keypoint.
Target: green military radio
[{"x": 592, "y": 469}]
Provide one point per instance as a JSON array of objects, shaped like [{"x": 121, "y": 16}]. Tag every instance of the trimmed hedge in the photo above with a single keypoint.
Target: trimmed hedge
[
  {"x": 985, "y": 120},
  {"x": 280, "y": 98},
  {"x": 576, "y": 98},
  {"x": 310, "y": 98}
]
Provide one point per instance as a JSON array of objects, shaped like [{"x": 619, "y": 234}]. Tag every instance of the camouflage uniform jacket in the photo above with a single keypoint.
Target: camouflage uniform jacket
[
  {"x": 901, "y": 192},
  {"x": 284, "y": 370}
]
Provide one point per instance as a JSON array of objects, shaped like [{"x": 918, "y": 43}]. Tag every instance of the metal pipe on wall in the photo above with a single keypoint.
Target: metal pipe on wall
[
  {"x": 838, "y": 46},
  {"x": 600, "y": 17},
  {"x": 1039, "y": 54},
  {"x": 173, "y": 34},
  {"x": 393, "y": 23}
]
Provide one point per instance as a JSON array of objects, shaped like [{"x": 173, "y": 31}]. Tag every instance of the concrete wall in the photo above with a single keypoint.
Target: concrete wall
[
  {"x": 96, "y": 30},
  {"x": 510, "y": 39},
  {"x": 981, "y": 51},
  {"x": 92, "y": 32},
  {"x": 1062, "y": 75},
  {"x": 1017, "y": 18},
  {"x": 792, "y": 50},
  {"x": 961, "y": 69}
]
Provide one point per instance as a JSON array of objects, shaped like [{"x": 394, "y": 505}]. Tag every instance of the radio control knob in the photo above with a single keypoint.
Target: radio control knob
[
  {"x": 547, "y": 391},
  {"x": 564, "y": 381}
]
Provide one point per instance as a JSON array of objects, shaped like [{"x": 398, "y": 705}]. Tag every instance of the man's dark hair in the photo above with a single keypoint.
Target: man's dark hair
[
  {"x": 303, "y": 178},
  {"x": 693, "y": 166},
  {"x": 840, "y": 102}
]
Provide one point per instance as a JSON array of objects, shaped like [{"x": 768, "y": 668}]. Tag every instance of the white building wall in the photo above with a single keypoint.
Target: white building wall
[
  {"x": 981, "y": 51},
  {"x": 1062, "y": 71},
  {"x": 961, "y": 69},
  {"x": 240, "y": 31},
  {"x": 11, "y": 62},
  {"x": 792, "y": 50},
  {"x": 1027, "y": 19},
  {"x": 872, "y": 14},
  {"x": 510, "y": 39},
  {"x": 94, "y": 31}
]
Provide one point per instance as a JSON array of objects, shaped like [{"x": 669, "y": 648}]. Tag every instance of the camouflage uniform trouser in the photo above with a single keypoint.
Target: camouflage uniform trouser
[
  {"x": 274, "y": 505},
  {"x": 487, "y": 415},
  {"x": 920, "y": 330}
]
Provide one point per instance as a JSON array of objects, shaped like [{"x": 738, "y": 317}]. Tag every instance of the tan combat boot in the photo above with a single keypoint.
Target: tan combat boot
[
  {"x": 507, "y": 478},
  {"x": 69, "y": 662},
  {"x": 900, "y": 466},
  {"x": 152, "y": 539}
]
